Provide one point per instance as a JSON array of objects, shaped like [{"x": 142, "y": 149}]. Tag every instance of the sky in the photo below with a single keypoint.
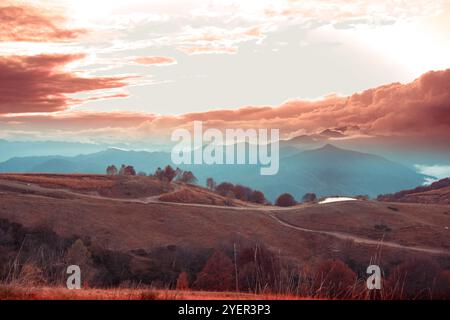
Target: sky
[{"x": 110, "y": 70}]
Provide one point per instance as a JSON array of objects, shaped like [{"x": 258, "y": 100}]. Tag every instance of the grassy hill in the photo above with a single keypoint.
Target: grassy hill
[
  {"x": 152, "y": 241},
  {"x": 436, "y": 193}
]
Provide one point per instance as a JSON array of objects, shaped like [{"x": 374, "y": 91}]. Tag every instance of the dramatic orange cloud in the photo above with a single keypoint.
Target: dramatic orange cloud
[
  {"x": 40, "y": 84},
  {"x": 420, "y": 108},
  {"x": 155, "y": 60},
  {"x": 27, "y": 23}
]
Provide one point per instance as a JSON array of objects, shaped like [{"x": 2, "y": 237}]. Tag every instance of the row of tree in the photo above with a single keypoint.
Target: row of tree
[
  {"x": 168, "y": 174},
  {"x": 124, "y": 170},
  {"x": 288, "y": 200},
  {"x": 240, "y": 192},
  {"x": 226, "y": 189},
  {"x": 260, "y": 271},
  {"x": 236, "y": 191}
]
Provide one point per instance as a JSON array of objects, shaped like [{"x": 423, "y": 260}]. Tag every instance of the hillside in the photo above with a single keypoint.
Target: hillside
[
  {"x": 134, "y": 232},
  {"x": 140, "y": 220},
  {"x": 436, "y": 193},
  {"x": 325, "y": 171}
]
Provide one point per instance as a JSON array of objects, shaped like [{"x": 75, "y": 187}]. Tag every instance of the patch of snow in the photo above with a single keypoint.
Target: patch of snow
[{"x": 337, "y": 199}]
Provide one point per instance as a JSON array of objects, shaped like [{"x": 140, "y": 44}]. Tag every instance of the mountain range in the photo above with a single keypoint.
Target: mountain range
[{"x": 328, "y": 170}]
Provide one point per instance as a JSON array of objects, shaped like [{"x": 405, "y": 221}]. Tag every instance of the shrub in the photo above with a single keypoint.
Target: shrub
[
  {"x": 443, "y": 286},
  {"x": 259, "y": 269},
  {"x": 217, "y": 274},
  {"x": 334, "y": 279},
  {"x": 415, "y": 279},
  {"x": 285, "y": 200}
]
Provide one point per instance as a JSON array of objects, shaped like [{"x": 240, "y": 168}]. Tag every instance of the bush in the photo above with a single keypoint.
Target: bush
[
  {"x": 259, "y": 269},
  {"x": 285, "y": 200}
]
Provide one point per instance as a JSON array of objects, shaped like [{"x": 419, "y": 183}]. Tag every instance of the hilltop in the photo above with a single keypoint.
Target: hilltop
[{"x": 436, "y": 193}]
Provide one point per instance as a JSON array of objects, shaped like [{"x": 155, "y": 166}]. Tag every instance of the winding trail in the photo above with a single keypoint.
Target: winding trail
[
  {"x": 357, "y": 239},
  {"x": 269, "y": 212}
]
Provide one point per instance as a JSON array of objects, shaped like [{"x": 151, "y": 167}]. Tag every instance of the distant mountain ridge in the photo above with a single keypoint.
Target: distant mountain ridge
[{"x": 325, "y": 171}]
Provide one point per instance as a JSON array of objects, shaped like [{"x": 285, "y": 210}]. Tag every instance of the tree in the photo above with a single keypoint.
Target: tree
[
  {"x": 211, "y": 184},
  {"x": 242, "y": 192},
  {"x": 127, "y": 171},
  {"x": 309, "y": 197},
  {"x": 142, "y": 174},
  {"x": 111, "y": 170},
  {"x": 258, "y": 197},
  {"x": 217, "y": 274},
  {"x": 188, "y": 177},
  {"x": 225, "y": 188},
  {"x": 169, "y": 173},
  {"x": 183, "y": 281},
  {"x": 285, "y": 200}
]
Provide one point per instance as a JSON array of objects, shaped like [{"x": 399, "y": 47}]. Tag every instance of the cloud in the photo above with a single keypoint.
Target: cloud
[
  {"x": 41, "y": 84},
  {"x": 155, "y": 60},
  {"x": 208, "y": 50},
  {"x": 347, "y": 14},
  {"x": 210, "y": 39},
  {"x": 27, "y": 23},
  {"x": 417, "y": 109}
]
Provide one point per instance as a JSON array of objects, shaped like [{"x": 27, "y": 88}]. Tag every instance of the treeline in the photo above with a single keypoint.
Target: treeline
[
  {"x": 168, "y": 174},
  {"x": 39, "y": 257},
  {"x": 225, "y": 189},
  {"x": 443, "y": 183}
]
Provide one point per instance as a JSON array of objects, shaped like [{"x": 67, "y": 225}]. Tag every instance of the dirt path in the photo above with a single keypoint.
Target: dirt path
[
  {"x": 357, "y": 239},
  {"x": 270, "y": 212}
]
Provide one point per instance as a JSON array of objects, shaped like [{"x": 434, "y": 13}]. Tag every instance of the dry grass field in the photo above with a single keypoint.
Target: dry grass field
[
  {"x": 151, "y": 216},
  {"x": 49, "y": 293}
]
